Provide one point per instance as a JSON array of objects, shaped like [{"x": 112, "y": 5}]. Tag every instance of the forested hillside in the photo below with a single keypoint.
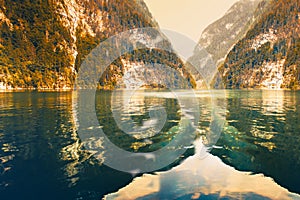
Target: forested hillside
[
  {"x": 269, "y": 55},
  {"x": 220, "y": 36},
  {"x": 43, "y": 42}
]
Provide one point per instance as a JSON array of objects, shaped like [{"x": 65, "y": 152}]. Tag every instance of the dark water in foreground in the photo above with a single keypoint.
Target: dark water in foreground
[{"x": 42, "y": 156}]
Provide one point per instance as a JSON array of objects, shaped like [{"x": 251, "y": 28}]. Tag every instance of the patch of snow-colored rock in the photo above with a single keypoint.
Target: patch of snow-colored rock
[{"x": 264, "y": 38}]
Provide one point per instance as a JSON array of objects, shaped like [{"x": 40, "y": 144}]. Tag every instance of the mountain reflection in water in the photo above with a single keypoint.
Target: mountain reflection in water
[
  {"x": 43, "y": 157},
  {"x": 201, "y": 177}
]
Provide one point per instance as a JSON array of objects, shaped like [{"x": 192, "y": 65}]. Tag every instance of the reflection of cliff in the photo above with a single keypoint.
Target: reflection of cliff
[
  {"x": 207, "y": 177},
  {"x": 58, "y": 132},
  {"x": 261, "y": 110},
  {"x": 37, "y": 128},
  {"x": 74, "y": 153},
  {"x": 264, "y": 122},
  {"x": 273, "y": 102},
  {"x": 134, "y": 118},
  {"x": 131, "y": 102}
]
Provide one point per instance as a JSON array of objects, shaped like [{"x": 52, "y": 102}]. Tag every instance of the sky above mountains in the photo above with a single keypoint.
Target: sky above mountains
[{"x": 188, "y": 17}]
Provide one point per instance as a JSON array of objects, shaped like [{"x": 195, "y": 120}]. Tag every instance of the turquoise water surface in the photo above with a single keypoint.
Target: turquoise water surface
[{"x": 43, "y": 157}]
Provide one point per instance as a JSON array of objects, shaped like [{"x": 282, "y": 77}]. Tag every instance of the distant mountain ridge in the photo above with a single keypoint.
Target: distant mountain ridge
[
  {"x": 219, "y": 37},
  {"x": 43, "y": 42}
]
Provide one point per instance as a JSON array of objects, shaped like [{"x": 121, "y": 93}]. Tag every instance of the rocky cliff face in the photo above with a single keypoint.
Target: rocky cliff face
[
  {"x": 43, "y": 42},
  {"x": 219, "y": 37},
  {"x": 268, "y": 56}
]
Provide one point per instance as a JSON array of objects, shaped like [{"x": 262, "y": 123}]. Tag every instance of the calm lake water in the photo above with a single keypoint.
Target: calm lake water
[{"x": 42, "y": 156}]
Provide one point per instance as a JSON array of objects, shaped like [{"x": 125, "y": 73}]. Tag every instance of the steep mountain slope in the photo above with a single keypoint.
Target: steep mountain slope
[
  {"x": 268, "y": 56},
  {"x": 43, "y": 42},
  {"x": 219, "y": 37}
]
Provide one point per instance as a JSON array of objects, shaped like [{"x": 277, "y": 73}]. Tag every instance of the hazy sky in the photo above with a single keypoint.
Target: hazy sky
[{"x": 189, "y": 17}]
